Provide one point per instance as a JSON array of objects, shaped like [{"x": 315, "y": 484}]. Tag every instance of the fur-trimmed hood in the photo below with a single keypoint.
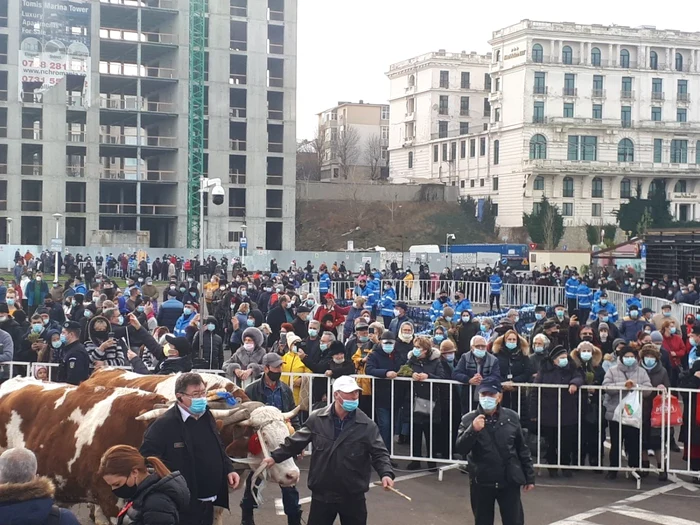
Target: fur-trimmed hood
[
  {"x": 499, "y": 344},
  {"x": 649, "y": 350},
  {"x": 595, "y": 360},
  {"x": 38, "y": 488},
  {"x": 434, "y": 354}
]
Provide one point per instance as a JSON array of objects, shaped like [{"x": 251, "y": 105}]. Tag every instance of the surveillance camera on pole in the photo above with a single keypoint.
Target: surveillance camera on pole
[{"x": 217, "y": 195}]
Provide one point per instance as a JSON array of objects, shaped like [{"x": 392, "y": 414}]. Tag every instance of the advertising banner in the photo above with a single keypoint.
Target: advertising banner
[{"x": 54, "y": 42}]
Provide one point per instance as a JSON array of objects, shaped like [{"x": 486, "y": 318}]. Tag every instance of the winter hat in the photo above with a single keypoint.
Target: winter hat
[
  {"x": 4, "y": 309},
  {"x": 448, "y": 311},
  {"x": 388, "y": 336},
  {"x": 255, "y": 334},
  {"x": 627, "y": 349},
  {"x": 293, "y": 339},
  {"x": 603, "y": 326},
  {"x": 336, "y": 348},
  {"x": 557, "y": 350},
  {"x": 656, "y": 337},
  {"x": 549, "y": 324},
  {"x": 649, "y": 350},
  {"x": 181, "y": 344},
  {"x": 617, "y": 342}
]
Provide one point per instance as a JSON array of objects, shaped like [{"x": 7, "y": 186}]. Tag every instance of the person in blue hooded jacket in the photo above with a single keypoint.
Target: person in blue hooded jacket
[
  {"x": 496, "y": 285},
  {"x": 585, "y": 301},
  {"x": 571, "y": 290},
  {"x": 386, "y": 303},
  {"x": 439, "y": 305},
  {"x": 188, "y": 313},
  {"x": 324, "y": 284},
  {"x": 462, "y": 304},
  {"x": 603, "y": 304}
]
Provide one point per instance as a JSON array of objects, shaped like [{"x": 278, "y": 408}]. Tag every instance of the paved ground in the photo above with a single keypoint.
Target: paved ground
[{"x": 585, "y": 499}]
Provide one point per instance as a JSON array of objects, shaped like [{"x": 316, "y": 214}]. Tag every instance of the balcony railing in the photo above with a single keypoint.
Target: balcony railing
[
  {"x": 3, "y": 58},
  {"x": 626, "y": 95},
  {"x": 598, "y": 93},
  {"x": 274, "y": 213},
  {"x": 570, "y": 91},
  {"x": 31, "y": 205},
  {"x": 75, "y": 171},
  {"x": 657, "y": 95},
  {"x": 31, "y": 97},
  {"x": 158, "y": 209},
  {"x": 75, "y": 207},
  {"x": 464, "y": 112},
  {"x": 626, "y": 123},
  {"x": 157, "y": 4},
  {"x": 134, "y": 104},
  {"x": 237, "y": 144},
  {"x": 31, "y": 169},
  {"x": 75, "y": 101},
  {"x": 536, "y": 119},
  {"x": 234, "y": 177},
  {"x": 75, "y": 136},
  {"x": 31, "y": 133},
  {"x": 275, "y": 82},
  {"x": 237, "y": 112},
  {"x": 275, "y": 147},
  {"x": 118, "y": 209},
  {"x": 274, "y": 180},
  {"x": 683, "y": 97},
  {"x": 275, "y": 114},
  {"x": 540, "y": 90},
  {"x": 160, "y": 142},
  {"x": 143, "y": 175},
  {"x": 238, "y": 45},
  {"x": 3, "y": 132},
  {"x": 277, "y": 16},
  {"x": 236, "y": 79},
  {"x": 3, "y": 95},
  {"x": 3, "y": 168},
  {"x": 132, "y": 140},
  {"x": 241, "y": 11},
  {"x": 133, "y": 36},
  {"x": 136, "y": 70}
]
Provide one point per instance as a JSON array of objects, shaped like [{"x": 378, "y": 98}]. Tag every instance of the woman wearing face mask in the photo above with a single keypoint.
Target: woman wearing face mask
[
  {"x": 424, "y": 360},
  {"x": 605, "y": 337},
  {"x": 358, "y": 305},
  {"x": 152, "y": 494},
  {"x": 619, "y": 379},
  {"x": 292, "y": 363},
  {"x": 359, "y": 358},
  {"x": 650, "y": 360},
  {"x": 447, "y": 322},
  {"x": 540, "y": 349},
  {"x": 512, "y": 352},
  {"x": 466, "y": 328},
  {"x": 245, "y": 365},
  {"x": 555, "y": 410},
  {"x": 448, "y": 361},
  {"x": 486, "y": 328},
  {"x": 439, "y": 335},
  {"x": 589, "y": 358},
  {"x": 280, "y": 347},
  {"x": 676, "y": 348}
]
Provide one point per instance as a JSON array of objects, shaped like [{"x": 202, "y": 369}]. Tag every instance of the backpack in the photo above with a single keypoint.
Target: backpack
[{"x": 54, "y": 516}]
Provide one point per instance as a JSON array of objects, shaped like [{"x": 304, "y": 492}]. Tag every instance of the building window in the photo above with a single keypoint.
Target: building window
[
  {"x": 625, "y": 151},
  {"x": 681, "y": 115},
  {"x": 444, "y": 79},
  {"x": 537, "y": 54},
  {"x": 568, "y": 209},
  {"x": 385, "y": 113},
  {"x": 444, "y": 101},
  {"x": 568, "y": 187},
  {"x": 597, "y": 111},
  {"x": 679, "y": 151},
  {"x": 487, "y": 82},
  {"x": 453, "y": 151},
  {"x": 624, "y": 58},
  {"x": 598, "y": 84},
  {"x": 567, "y": 56},
  {"x": 540, "y": 87},
  {"x": 626, "y": 87},
  {"x": 463, "y": 149},
  {"x": 656, "y": 114},
  {"x": 657, "y": 87},
  {"x": 658, "y": 150},
  {"x": 412, "y": 80},
  {"x": 497, "y": 115},
  {"x": 697, "y": 152},
  {"x": 487, "y": 108},
  {"x": 495, "y": 184},
  {"x": 482, "y": 146},
  {"x": 436, "y": 153},
  {"x": 569, "y": 85},
  {"x": 442, "y": 129},
  {"x": 410, "y": 159},
  {"x": 496, "y": 153},
  {"x": 462, "y": 184},
  {"x": 626, "y": 116},
  {"x": 234, "y": 236},
  {"x": 384, "y": 130},
  {"x": 597, "y": 188},
  {"x": 538, "y": 113},
  {"x": 464, "y": 128},
  {"x": 444, "y": 152},
  {"x": 498, "y": 85},
  {"x": 464, "y": 106},
  {"x": 472, "y": 148},
  {"x": 494, "y": 209},
  {"x": 625, "y": 189},
  {"x": 539, "y": 183},
  {"x": 682, "y": 90},
  {"x": 596, "y": 209},
  {"x": 471, "y": 183},
  {"x": 653, "y": 60},
  {"x": 481, "y": 183},
  {"x": 680, "y": 187},
  {"x": 582, "y": 148},
  {"x": 538, "y": 147},
  {"x": 595, "y": 56},
  {"x": 679, "y": 62},
  {"x": 464, "y": 81},
  {"x": 536, "y": 208},
  {"x": 498, "y": 56},
  {"x": 568, "y": 110}
]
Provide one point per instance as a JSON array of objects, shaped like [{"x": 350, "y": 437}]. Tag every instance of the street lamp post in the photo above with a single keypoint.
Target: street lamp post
[
  {"x": 56, "y": 216},
  {"x": 447, "y": 246},
  {"x": 244, "y": 249},
  {"x": 205, "y": 185},
  {"x": 9, "y": 239}
]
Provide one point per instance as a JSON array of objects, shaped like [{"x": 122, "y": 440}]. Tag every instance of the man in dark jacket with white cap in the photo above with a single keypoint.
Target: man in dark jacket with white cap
[
  {"x": 499, "y": 459},
  {"x": 346, "y": 444}
]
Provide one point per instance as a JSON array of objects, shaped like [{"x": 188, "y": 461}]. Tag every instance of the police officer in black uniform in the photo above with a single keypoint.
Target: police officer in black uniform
[{"x": 75, "y": 367}]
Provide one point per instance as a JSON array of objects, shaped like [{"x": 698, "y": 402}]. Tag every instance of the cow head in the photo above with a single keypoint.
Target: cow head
[{"x": 270, "y": 425}]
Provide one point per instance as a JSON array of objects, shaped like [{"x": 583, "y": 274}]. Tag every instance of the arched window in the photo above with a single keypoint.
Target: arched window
[
  {"x": 697, "y": 152},
  {"x": 538, "y": 147},
  {"x": 568, "y": 187},
  {"x": 679, "y": 62},
  {"x": 537, "y": 54},
  {"x": 624, "y": 58},
  {"x": 625, "y": 151},
  {"x": 595, "y": 56},
  {"x": 597, "y": 188},
  {"x": 625, "y": 189},
  {"x": 567, "y": 56},
  {"x": 496, "y": 151},
  {"x": 653, "y": 60},
  {"x": 412, "y": 80},
  {"x": 539, "y": 183},
  {"x": 681, "y": 187}
]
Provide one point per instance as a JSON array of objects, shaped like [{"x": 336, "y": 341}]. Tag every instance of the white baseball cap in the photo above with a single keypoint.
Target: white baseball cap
[{"x": 345, "y": 384}]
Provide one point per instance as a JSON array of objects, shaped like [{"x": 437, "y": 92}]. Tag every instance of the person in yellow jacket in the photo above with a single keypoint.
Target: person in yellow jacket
[
  {"x": 292, "y": 364},
  {"x": 209, "y": 289},
  {"x": 360, "y": 359}
]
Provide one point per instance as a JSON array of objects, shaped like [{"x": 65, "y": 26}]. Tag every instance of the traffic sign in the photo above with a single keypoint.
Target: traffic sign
[
  {"x": 243, "y": 242},
  {"x": 56, "y": 245}
]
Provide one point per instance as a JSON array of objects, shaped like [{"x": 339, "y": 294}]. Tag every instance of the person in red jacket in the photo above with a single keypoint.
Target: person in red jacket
[
  {"x": 336, "y": 312},
  {"x": 676, "y": 347}
]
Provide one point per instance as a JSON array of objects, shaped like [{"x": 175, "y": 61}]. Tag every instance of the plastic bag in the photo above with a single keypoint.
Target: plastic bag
[
  {"x": 659, "y": 416},
  {"x": 629, "y": 411}
]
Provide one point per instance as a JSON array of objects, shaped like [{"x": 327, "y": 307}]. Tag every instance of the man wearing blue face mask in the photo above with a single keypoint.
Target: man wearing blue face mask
[
  {"x": 346, "y": 446},
  {"x": 472, "y": 368},
  {"x": 499, "y": 459},
  {"x": 186, "y": 439},
  {"x": 188, "y": 312},
  {"x": 604, "y": 304}
]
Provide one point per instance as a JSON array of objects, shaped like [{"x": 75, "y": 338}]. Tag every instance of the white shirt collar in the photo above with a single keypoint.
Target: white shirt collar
[{"x": 184, "y": 413}]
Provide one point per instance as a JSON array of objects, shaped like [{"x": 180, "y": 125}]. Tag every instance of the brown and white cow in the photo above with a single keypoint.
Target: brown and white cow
[{"x": 69, "y": 428}]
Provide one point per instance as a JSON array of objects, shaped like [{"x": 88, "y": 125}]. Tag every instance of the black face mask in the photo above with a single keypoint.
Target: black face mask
[
  {"x": 125, "y": 492},
  {"x": 587, "y": 338},
  {"x": 274, "y": 376}
]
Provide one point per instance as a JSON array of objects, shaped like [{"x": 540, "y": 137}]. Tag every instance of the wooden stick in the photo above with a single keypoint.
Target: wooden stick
[{"x": 392, "y": 489}]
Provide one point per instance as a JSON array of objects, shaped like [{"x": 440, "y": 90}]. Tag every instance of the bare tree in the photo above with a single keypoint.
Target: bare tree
[
  {"x": 373, "y": 155},
  {"x": 347, "y": 150},
  {"x": 393, "y": 205}
]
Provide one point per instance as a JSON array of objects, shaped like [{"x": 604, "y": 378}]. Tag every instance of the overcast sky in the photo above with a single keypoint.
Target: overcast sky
[{"x": 345, "y": 47}]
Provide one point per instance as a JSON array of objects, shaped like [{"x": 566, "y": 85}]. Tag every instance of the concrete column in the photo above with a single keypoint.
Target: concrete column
[
  {"x": 672, "y": 62},
  {"x": 612, "y": 59},
  {"x": 582, "y": 53}
]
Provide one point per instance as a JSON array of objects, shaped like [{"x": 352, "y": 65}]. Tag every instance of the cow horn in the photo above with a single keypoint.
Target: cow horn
[
  {"x": 236, "y": 417},
  {"x": 291, "y": 414},
  {"x": 152, "y": 414},
  {"x": 220, "y": 414},
  {"x": 245, "y": 423}
]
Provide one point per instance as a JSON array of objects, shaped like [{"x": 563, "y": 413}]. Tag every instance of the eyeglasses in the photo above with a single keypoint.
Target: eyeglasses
[{"x": 195, "y": 395}]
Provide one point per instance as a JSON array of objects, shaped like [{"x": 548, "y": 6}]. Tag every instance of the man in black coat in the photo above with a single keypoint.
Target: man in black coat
[
  {"x": 75, "y": 367},
  {"x": 186, "y": 439}
]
